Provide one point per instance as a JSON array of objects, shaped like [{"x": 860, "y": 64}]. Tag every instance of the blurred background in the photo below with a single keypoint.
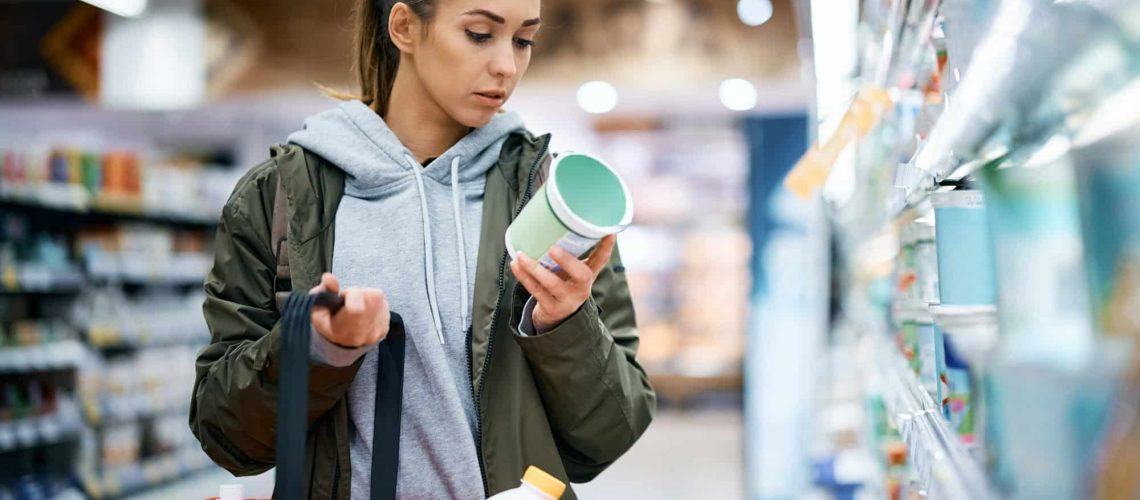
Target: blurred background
[
  {"x": 882, "y": 248},
  {"x": 125, "y": 124}
]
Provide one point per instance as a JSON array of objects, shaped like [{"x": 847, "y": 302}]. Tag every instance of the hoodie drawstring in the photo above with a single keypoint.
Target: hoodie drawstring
[
  {"x": 429, "y": 255},
  {"x": 457, "y": 203},
  {"x": 429, "y": 252}
]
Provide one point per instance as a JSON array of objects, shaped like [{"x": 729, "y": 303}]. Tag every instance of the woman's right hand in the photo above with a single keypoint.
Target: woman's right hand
[{"x": 362, "y": 321}]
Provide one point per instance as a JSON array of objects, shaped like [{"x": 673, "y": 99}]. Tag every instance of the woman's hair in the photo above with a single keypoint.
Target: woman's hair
[{"x": 377, "y": 58}]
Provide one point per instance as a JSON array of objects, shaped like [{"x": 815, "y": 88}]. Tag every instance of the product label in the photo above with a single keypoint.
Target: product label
[
  {"x": 573, "y": 243},
  {"x": 957, "y": 406}
]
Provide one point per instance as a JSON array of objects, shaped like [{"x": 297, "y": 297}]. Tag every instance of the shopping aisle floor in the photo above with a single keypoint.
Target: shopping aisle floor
[{"x": 683, "y": 455}]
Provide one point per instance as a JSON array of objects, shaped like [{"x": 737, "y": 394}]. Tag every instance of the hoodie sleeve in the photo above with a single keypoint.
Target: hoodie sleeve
[
  {"x": 233, "y": 409},
  {"x": 596, "y": 394}
]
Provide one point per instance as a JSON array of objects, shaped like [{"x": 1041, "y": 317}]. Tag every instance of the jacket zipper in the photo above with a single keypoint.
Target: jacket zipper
[
  {"x": 336, "y": 479},
  {"x": 494, "y": 319}
]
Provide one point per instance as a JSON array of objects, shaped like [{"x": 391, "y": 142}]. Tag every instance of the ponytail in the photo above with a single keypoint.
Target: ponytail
[{"x": 377, "y": 58}]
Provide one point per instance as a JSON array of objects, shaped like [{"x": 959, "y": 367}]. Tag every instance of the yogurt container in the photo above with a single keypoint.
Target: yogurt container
[
  {"x": 965, "y": 253},
  {"x": 582, "y": 201},
  {"x": 1107, "y": 158},
  {"x": 1035, "y": 229}
]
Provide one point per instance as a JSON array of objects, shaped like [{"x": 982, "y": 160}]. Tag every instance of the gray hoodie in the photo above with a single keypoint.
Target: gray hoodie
[{"x": 412, "y": 231}]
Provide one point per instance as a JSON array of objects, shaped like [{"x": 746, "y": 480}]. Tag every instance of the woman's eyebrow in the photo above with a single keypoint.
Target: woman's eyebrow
[{"x": 499, "y": 19}]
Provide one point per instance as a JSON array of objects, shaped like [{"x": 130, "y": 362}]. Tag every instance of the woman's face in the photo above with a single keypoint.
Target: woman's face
[{"x": 474, "y": 53}]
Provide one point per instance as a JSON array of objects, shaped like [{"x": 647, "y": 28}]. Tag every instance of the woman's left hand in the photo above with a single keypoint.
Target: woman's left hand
[{"x": 561, "y": 295}]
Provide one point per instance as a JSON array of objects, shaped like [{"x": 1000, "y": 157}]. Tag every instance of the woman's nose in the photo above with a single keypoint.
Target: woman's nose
[{"x": 503, "y": 62}]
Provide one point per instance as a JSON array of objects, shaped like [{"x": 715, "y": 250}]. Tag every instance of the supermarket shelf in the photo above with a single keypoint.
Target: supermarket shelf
[
  {"x": 40, "y": 431},
  {"x": 31, "y": 280},
  {"x": 73, "y": 284},
  {"x": 69, "y": 203},
  {"x": 160, "y": 279},
  {"x": 141, "y": 269},
  {"x": 26, "y": 279},
  {"x": 150, "y": 473},
  {"x": 40, "y": 358},
  {"x": 940, "y": 458},
  {"x": 113, "y": 338},
  {"x": 683, "y": 387},
  {"x": 124, "y": 409}
]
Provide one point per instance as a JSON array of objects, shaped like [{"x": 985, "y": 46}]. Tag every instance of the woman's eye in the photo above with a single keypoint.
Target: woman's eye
[
  {"x": 478, "y": 37},
  {"x": 523, "y": 43}
]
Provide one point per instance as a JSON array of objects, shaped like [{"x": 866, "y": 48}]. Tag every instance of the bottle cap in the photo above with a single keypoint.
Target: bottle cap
[
  {"x": 544, "y": 482},
  {"x": 231, "y": 492}
]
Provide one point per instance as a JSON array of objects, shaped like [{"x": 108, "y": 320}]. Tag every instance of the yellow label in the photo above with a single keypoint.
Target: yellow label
[{"x": 11, "y": 280}]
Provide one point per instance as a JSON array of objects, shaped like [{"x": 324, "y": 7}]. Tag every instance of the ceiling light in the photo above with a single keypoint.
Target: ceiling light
[
  {"x": 597, "y": 97},
  {"x": 754, "y": 12},
  {"x": 738, "y": 94}
]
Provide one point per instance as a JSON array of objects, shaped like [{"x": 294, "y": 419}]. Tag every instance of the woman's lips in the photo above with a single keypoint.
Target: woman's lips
[{"x": 489, "y": 99}]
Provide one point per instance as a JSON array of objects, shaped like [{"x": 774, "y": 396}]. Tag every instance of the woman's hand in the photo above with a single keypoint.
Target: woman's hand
[
  {"x": 561, "y": 295},
  {"x": 362, "y": 321}
]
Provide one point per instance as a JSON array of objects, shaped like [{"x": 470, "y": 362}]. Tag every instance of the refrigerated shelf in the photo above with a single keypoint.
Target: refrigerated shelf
[
  {"x": 39, "y": 358},
  {"x": 44, "y": 430},
  {"x": 943, "y": 462},
  {"x": 70, "y": 204}
]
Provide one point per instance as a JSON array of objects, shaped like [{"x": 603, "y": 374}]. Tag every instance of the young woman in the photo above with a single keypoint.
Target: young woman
[{"x": 399, "y": 201}]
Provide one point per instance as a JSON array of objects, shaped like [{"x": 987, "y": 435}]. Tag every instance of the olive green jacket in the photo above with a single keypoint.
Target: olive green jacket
[{"x": 570, "y": 401}]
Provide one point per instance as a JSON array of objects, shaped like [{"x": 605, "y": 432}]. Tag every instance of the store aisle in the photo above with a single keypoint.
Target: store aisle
[{"x": 683, "y": 455}]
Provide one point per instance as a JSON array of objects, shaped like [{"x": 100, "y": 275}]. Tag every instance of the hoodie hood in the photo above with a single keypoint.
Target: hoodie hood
[{"x": 356, "y": 139}]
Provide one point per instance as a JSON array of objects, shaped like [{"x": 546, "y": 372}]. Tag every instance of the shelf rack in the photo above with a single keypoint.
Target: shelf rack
[
  {"x": 942, "y": 461},
  {"x": 40, "y": 358},
  {"x": 71, "y": 206}
]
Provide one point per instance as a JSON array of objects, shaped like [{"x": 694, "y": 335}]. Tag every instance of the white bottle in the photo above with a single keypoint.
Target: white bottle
[
  {"x": 231, "y": 492},
  {"x": 536, "y": 485}
]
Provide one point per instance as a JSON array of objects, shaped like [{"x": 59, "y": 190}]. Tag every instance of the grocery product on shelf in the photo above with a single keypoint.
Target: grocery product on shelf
[
  {"x": 1107, "y": 158},
  {"x": 958, "y": 405},
  {"x": 1033, "y": 218},
  {"x": 1108, "y": 171},
  {"x": 138, "y": 385},
  {"x": 113, "y": 180},
  {"x": 35, "y": 414},
  {"x": 143, "y": 254},
  {"x": 28, "y": 346},
  {"x": 1071, "y": 408},
  {"x": 844, "y": 474},
  {"x": 112, "y": 318},
  {"x": 965, "y": 255}
]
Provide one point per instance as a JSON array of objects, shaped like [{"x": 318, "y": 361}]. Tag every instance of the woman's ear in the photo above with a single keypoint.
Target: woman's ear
[{"x": 402, "y": 26}]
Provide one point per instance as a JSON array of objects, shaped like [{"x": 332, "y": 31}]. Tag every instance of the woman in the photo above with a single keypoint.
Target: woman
[{"x": 396, "y": 201}]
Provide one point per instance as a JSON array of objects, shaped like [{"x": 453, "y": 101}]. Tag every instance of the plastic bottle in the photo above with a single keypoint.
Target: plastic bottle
[
  {"x": 536, "y": 485},
  {"x": 231, "y": 492}
]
